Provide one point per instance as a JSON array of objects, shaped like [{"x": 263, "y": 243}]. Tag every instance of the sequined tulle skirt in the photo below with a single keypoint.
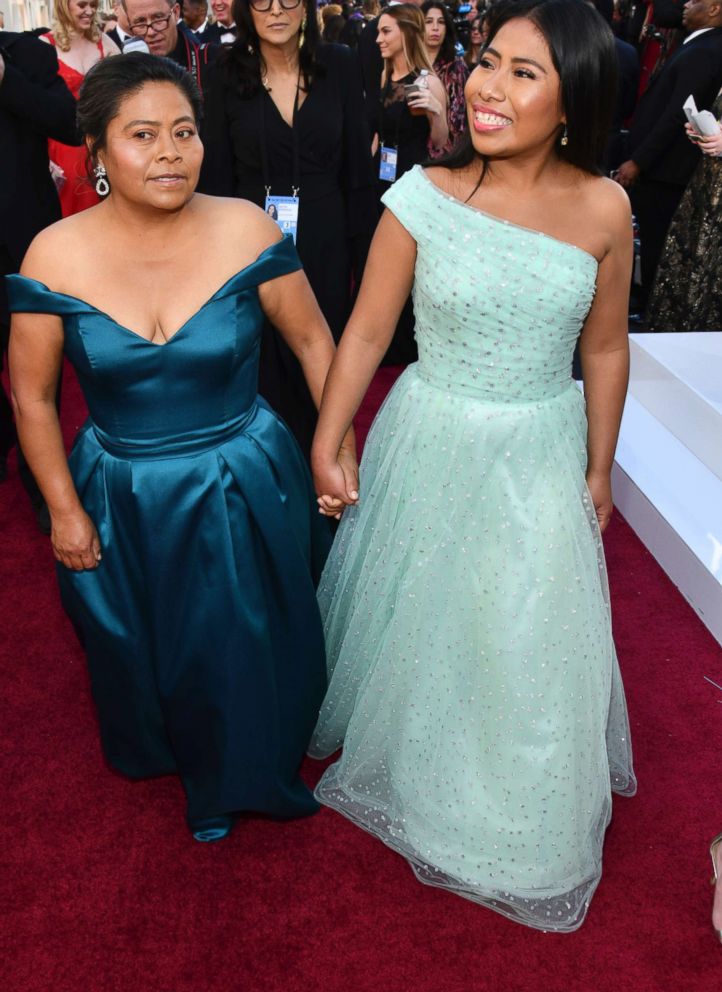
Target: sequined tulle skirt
[{"x": 473, "y": 681}]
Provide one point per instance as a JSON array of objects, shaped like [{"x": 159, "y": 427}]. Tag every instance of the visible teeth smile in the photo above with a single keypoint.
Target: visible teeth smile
[{"x": 490, "y": 119}]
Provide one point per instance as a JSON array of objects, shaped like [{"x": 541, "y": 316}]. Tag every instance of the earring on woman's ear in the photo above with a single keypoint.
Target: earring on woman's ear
[
  {"x": 102, "y": 186},
  {"x": 302, "y": 35},
  {"x": 565, "y": 139}
]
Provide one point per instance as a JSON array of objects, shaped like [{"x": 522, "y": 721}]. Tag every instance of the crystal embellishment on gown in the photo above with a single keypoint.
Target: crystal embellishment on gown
[{"x": 473, "y": 681}]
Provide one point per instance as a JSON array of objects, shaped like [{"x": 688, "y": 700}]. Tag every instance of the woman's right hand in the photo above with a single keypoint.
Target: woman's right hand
[{"x": 75, "y": 540}]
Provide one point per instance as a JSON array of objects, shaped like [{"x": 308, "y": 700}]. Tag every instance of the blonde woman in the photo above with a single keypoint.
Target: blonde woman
[
  {"x": 411, "y": 124},
  {"x": 78, "y": 36}
]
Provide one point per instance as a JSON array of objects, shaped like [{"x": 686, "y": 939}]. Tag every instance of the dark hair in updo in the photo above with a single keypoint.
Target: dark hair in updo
[
  {"x": 110, "y": 81},
  {"x": 582, "y": 50}
]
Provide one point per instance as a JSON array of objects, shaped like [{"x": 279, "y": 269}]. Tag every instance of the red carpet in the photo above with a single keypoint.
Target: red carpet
[{"x": 104, "y": 890}]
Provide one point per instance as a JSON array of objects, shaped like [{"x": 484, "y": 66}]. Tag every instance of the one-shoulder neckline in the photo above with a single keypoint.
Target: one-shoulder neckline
[
  {"x": 504, "y": 221},
  {"x": 184, "y": 325}
]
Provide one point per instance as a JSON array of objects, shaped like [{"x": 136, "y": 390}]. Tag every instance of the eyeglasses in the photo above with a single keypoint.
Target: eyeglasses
[
  {"x": 263, "y": 6},
  {"x": 158, "y": 24}
]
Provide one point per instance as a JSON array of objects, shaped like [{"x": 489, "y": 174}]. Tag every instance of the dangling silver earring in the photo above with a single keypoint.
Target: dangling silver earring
[
  {"x": 565, "y": 140},
  {"x": 102, "y": 186}
]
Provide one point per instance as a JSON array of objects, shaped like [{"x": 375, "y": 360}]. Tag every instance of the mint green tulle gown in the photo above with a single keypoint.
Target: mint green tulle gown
[{"x": 473, "y": 680}]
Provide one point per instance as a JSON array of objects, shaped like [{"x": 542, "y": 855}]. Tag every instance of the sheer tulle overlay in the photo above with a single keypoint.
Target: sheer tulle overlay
[{"x": 474, "y": 684}]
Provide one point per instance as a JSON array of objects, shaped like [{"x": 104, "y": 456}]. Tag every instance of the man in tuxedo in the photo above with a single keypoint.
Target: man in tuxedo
[
  {"x": 662, "y": 158},
  {"x": 35, "y": 104},
  {"x": 157, "y": 23},
  {"x": 120, "y": 33},
  {"x": 223, "y": 30}
]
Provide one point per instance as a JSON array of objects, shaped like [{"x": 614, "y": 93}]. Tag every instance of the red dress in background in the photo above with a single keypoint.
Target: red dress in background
[{"x": 77, "y": 192}]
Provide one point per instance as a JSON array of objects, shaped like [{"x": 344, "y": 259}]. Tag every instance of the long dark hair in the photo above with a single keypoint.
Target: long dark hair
[
  {"x": 582, "y": 50},
  {"x": 447, "y": 52},
  {"x": 242, "y": 61}
]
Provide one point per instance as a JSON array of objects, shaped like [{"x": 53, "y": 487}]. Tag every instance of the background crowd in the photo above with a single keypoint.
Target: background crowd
[{"x": 313, "y": 115}]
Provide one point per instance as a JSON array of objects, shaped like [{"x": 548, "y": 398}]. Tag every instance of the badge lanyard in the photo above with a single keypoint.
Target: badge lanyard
[
  {"x": 389, "y": 154},
  {"x": 283, "y": 209}
]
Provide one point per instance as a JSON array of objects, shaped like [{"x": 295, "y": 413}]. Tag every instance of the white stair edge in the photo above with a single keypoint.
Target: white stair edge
[
  {"x": 655, "y": 482},
  {"x": 691, "y": 414}
]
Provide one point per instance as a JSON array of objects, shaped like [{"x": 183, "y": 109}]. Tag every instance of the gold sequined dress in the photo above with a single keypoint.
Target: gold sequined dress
[
  {"x": 473, "y": 681},
  {"x": 687, "y": 292}
]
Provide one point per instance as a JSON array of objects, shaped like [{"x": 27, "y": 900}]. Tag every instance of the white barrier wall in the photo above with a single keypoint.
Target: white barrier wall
[{"x": 667, "y": 476}]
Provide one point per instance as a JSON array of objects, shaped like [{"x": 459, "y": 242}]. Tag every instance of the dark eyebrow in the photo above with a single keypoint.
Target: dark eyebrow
[
  {"x": 178, "y": 120},
  {"x": 516, "y": 61}
]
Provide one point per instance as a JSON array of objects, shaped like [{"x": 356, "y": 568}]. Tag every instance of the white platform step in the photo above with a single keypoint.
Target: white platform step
[{"x": 667, "y": 476}]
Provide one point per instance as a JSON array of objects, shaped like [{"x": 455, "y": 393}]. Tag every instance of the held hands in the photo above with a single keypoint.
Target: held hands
[
  {"x": 75, "y": 541},
  {"x": 600, "y": 489},
  {"x": 336, "y": 481},
  {"x": 707, "y": 144}
]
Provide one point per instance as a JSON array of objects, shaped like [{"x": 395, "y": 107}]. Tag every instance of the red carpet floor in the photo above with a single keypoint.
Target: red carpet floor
[{"x": 104, "y": 891}]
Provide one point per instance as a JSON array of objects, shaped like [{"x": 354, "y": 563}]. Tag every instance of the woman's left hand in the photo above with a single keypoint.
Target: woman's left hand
[
  {"x": 600, "y": 489},
  {"x": 424, "y": 99},
  {"x": 710, "y": 144}
]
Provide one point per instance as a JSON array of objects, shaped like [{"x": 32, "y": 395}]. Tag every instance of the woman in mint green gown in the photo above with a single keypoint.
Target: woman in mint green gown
[
  {"x": 185, "y": 529},
  {"x": 473, "y": 680}
]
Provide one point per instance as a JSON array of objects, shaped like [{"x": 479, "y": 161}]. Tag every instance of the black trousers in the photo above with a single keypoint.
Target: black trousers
[{"x": 654, "y": 205}]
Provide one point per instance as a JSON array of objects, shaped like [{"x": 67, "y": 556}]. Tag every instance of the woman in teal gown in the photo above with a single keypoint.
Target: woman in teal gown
[
  {"x": 186, "y": 533},
  {"x": 473, "y": 680}
]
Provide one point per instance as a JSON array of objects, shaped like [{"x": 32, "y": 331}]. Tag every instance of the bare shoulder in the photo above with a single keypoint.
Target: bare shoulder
[
  {"x": 459, "y": 183},
  {"x": 60, "y": 248},
  {"x": 243, "y": 226},
  {"x": 607, "y": 203}
]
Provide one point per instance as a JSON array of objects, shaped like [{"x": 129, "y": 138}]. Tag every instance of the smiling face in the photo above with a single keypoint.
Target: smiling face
[
  {"x": 389, "y": 39},
  {"x": 82, "y": 14},
  {"x": 152, "y": 151},
  {"x": 513, "y": 97},
  {"x": 222, "y": 12},
  {"x": 435, "y": 29},
  {"x": 278, "y": 26}
]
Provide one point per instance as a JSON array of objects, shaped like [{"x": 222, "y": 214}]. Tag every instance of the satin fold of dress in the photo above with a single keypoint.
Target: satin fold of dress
[{"x": 200, "y": 624}]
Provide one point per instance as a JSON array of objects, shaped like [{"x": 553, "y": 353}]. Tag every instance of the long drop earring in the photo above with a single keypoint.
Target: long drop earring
[
  {"x": 302, "y": 35},
  {"x": 102, "y": 186},
  {"x": 565, "y": 139}
]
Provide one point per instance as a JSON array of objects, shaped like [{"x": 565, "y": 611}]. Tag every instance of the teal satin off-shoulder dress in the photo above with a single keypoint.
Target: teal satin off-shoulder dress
[{"x": 201, "y": 627}]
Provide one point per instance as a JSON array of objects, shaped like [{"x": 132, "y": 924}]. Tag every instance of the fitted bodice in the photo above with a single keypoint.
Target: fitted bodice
[
  {"x": 188, "y": 393},
  {"x": 498, "y": 307}
]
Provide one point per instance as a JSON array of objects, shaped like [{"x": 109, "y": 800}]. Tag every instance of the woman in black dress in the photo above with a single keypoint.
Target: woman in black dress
[
  {"x": 285, "y": 114},
  {"x": 410, "y": 126}
]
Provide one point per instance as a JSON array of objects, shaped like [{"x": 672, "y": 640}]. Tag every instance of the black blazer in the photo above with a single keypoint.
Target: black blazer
[
  {"x": 372, "y": 66},
  {"x": 35, "y": 104},
  {"x": 658, "y": 143}
]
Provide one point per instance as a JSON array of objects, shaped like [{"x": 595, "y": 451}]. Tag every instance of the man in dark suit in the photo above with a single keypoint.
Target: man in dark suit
[
  {"x": 120, "y": 32},
  {"x": 35, "y": 104},
  {"x": 662, "y": 159}
]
